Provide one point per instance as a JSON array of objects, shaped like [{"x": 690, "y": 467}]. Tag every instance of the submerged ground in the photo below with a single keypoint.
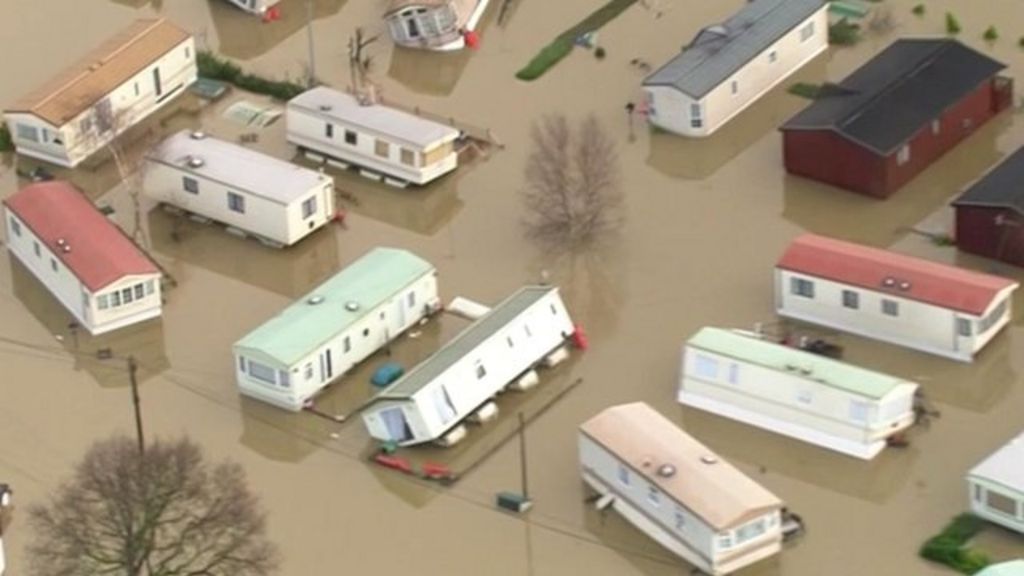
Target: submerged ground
[{"x": 706, "y": 221}]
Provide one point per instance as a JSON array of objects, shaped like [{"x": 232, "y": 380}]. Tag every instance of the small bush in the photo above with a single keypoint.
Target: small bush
[
  {"x": 1020, "y": 42},
  {"x": 991, "y": 34},
  {"x": 805, "y": 90},
  {"x": 844, "y": 33},
  {"x": 918, "y": 10},
  {"x": 952, "y": 24},
  {"x": 6, "y": 143},
  {"x": 546, "y": 58},
  {"x": 599, "y": 53},
  {"x": 948, "y": 547},
  {"x": 210, "y": 66}
]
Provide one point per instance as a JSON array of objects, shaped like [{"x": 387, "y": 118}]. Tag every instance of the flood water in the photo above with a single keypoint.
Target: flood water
[{"x": 705, "y": 223}]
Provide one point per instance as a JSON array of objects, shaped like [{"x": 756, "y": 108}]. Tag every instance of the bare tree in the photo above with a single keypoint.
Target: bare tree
[
  {"x": 572, "y": 191},
  {"x": 166, "y": 512},
  {"x": 359, "y": 67}
]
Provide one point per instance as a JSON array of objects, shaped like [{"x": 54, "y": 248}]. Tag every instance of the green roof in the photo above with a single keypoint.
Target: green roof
[
  {"x": 467, "y": 340},
  {"x": 1011, "y": 568},
  {"x": 753, "y": 350},
  {"x": 303, "y": 326}
]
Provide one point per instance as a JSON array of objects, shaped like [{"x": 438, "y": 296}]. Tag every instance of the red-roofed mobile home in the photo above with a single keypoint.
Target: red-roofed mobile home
[
  {"x": 932, "y": 307},
  {"x": 83, "y": 258}
]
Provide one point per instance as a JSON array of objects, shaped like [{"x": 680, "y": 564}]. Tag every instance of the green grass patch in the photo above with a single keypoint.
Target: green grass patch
[
  {"x": 952, "y": 24},
  {"x": 215, "y": 68},
  {"x": 6, "y": 143},
  {"x": 991, "y": 34},
  {"x": 918, "y": 10},
  {"x": 949, "y": 546},
  {"x": 805, "y": 90},
  {"x": 561, "y": 46},
  {"x": 844, "y": 33}
]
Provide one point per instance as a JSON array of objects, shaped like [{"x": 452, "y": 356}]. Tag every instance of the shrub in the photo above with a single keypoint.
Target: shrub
[
  {"x": 918, "y": 10},
  {"x": 952, "y": 24},
  {"x": 1020, "y": 42},
  {"x": 599, "y": 53},
  {"x": 548, "y": 57},
  {"x": 991, "y": 34},
  {"x": 948, "y": 547},
  {"x": 210, "y": 66},
  {"x": 844, "y": 33},
  {"x": 805, "y": 90},
  {"x": 6, "y": 143}
]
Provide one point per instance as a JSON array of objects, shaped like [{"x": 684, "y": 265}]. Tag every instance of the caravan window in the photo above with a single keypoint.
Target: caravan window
[
  {"x": 890, "y": 307},
  {"x": 309, "y": 207},
  {"x": 412, "y": 299},
  {"x": 236, "y": 203},
  {"x": 750, "y": 531},
  {"x": 859, "y": 410},
  {"x": 801, "y": 287},
  {"x": 30, "y": 133},
  {"x": 443, "y": 404},
  {"x": 1001, "y": 503},
  {"x": 653, "y": 495},
  {"x": 408, "y": 157},
  {"x": 329, "y": 130},
  {"x": 963, "y": 326},
  {"x": 623, "y": 475},
  {"x": 262, "y": 372},
  {"x": 190, "y": 185},
  {"x": 309, "y": 371},
  {"x": 140, "y": 291},
  {"x": 16, "y": 227},
  {"x": 101, "y": 302},
  {"x": 851, "y": 299},
  {"x": 285, "y": 378},
  {"x": 480, "y": 371},
  {"x": 382, "y": 148},
  {"x": 351, "y": 137},
  {"x": 734, "y": 373},
  {"x": 705, "y": 367}
]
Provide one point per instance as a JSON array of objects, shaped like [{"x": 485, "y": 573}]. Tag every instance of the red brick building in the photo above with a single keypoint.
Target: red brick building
[
  {"x": 990, "y": 213},
  {"x": 890, "y": 119}
]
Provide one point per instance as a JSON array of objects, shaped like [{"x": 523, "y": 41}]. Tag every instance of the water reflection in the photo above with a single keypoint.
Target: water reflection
[
  {"x": 156, "y": 4},
  {"x": 279, "y": 435},
  {"x": 291, "y": 271},
  {"x": 874, "y": 481},
  {"x": 427, "y": 72},
  {"x": 699, "y": 158},
  {"x": 143, "y": 341},
  {"x": 646, "y": 555},
  {"x": 830, "y": 211},
  {"x": 244, "y": 36},
  {"x": 591, "y": 283}
]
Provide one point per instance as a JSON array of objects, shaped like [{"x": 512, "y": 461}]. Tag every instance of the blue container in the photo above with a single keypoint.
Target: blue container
[{"x": 386, "y": 374}]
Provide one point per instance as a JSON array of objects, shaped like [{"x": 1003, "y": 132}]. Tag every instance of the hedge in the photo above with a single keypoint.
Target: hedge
[
  {"x": 6, "y": 143},
  {"x": 210, "y": 66},
  {"x": 948, "y": 547}
]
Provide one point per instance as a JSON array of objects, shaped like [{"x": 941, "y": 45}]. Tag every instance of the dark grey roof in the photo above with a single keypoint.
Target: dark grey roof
[
  {"x": 718, "y": 51},
  {"x": 467, "y": 341},
  {"x": 885, "y": 102},
  {"x": 1001, "y": 187}
]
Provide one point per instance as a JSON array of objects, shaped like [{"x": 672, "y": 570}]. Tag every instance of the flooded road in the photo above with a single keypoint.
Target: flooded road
[{"x": 705, "y": 223}]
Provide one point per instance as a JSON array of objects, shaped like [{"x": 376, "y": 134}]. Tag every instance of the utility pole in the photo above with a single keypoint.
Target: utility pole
[
  {"x": 132, "y": 368},
  {"x": 522, "y": 455},
  {"x": 309, "y": 33}
]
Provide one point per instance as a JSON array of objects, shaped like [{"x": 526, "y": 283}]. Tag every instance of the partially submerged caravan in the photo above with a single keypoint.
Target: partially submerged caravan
[
  {"x": 278, "y": 202},
  {"x": 383, "y": 142},
  {"x": 434, "y": 24},
  {"x": 799, "y": 394},
  {"x": 499, "y": 349},
  {"x": 678, "y": 492},
  {"x": 997, "y": 486},
  {"x": 297, "y": 353}
]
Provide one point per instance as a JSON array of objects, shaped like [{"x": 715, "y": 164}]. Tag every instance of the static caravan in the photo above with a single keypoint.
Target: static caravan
[
  {"x": 996, "y": 486},
  {"x": 278, "y": 202},
  {"x": 293, "y": 356},
  {"x": 931, "y": 307},
  {"x": 332, "y": 126},
  {"x": 117, "y": 85},
  {"x": 786, "y": 390},
  {"x": 103, "y": 279},
  {"x": 678, "y": 492},
  {"x": 729, "y": 66},
  {"x": 431, "y": 400},
  {"x": 433, "y": 24},
  {"x": 1011, "y": 568}
]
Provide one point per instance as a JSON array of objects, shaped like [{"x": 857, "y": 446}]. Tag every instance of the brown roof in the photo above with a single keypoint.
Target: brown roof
[
  {"x": 702, "y": 482},
  {"x": 109, "y": 65}
]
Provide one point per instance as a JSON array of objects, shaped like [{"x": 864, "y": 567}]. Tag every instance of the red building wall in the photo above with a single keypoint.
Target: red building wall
[
  {"x": 825, "y": 156},
  {"x": 978, "y": 233}
]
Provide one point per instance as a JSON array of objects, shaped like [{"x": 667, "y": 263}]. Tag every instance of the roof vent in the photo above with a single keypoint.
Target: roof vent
[
  {"x": 314, "y": 300},
  {"x": 195, "y": 162},
  {"x": 889, "y": 282},
  {"x": 351, "y": 305},
  {"x": 65, "y": 248},
  {"x": 666, "y": 470},
  {"x": 197, "y": 135},
  {"x": 709, "y": 459},
  {"x": 904, "y": 285},
  {"x": 61, "y": 242},
  {"x": 324, "y": 107}
]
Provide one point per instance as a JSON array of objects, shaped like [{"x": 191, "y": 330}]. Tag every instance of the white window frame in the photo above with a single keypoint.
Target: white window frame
[
  {"x": 903, "y": 155},
  {"x": 807, "y": 31},
  {"x": 851, "y": 299},
  {"x": 801, "y": 287},
  {"x": 308, "y": 207},
  {"x": 705, "y": 366},
  {"x": 262, "y": 373},
  {"x": 890, "y": 308},
  {"x": 190, "y": 185},
  {"x": 236, "y": 202}
]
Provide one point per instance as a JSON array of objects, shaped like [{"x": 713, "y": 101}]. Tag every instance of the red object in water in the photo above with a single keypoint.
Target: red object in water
[
  {"x": 339, "y": 217},
  {"x": 272, "y": 13},
  {"x": 436, "y": 471},
  {"x": 472, "y": 39},
  {"x": 579, "y": 338},
  {"x": 394, "y": 462}
]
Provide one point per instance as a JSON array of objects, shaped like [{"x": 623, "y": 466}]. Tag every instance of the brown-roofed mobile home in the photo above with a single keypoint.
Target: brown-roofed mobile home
[
  {"x": 677, "y": 491},
  {"x": 121, "y": 82}
]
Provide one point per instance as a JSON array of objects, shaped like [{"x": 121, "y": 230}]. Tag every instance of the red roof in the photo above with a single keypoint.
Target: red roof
[
  {"x": 897, "y": 274},
  {"x": 99, "y": 254}
]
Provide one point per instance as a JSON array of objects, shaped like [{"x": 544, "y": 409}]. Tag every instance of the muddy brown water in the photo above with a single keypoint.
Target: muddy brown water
[{"x": 705, "y": 222}]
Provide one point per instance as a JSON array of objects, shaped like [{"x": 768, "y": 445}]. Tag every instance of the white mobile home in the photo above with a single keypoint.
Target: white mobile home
[
  {"x": 121, "y": 82},
  {"x": 276, "y": 201},
  {"x": 257, "y": 7},
  {"x": 675, "y": 490},
  {"x": 996, "y": 486},
  {"x": 1011, "y": 568},
  {"x": 435, "y": 396},
  {"x": 927, "y": 306},
  {"x": 728, "y": 66},
  {"x": 792, "y": 392},
  {"x": 329, "y": 125},
  {"x": 103, "y": 279},
  {"x": 433, "y": 24},
  {"x": 293, "y": 356}
]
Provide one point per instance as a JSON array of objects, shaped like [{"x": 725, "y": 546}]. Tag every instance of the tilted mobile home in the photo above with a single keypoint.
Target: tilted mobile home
[
  {"x": 996, "y": 486},
  {"x": 792, "y": 392},
  {"x": 729, "y": 66},
  {"x": 433, "y": 24},
  {"x": 927, "y": 306},
  {"x": 329, "y": 125},
  {"x": 117, "y": 85},
  {"x": 103, "y": 279},
  {"x": 293, "y": 356},
  {"x": 276, "y": 201},
  {"x": 675, "y": 490},
  {"x": 435, "y": 396}
]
